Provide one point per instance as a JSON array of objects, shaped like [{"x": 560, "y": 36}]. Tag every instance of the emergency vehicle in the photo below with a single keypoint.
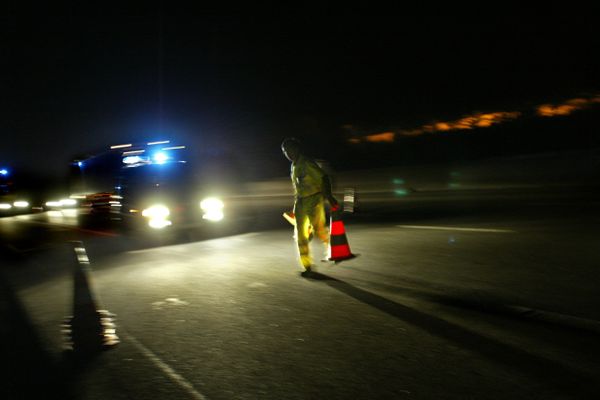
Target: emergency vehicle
[
  {"x": 12, "y": 201},
  {"x": 157, "y": 185}
]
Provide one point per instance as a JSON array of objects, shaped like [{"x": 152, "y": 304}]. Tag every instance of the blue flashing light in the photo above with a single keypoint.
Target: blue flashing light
[
  {"x": 3, "y": 171},
  {"x": 80, "y": 164},
  {"x": 160, "y": 157}
]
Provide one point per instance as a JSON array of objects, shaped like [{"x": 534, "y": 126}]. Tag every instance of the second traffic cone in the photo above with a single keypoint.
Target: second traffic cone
[{"x": 339, "y": 250}]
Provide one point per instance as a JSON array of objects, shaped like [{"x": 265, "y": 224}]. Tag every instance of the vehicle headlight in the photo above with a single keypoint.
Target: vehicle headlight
[
  {"x": 213, "y": 209},
  {"x": 157, "y": 216},
  {"x": 156, "y": 211},
  {"x": 68, "y": 202},
  {"x": 21, "y": 204},
  {"x": 5, "y": 206}
]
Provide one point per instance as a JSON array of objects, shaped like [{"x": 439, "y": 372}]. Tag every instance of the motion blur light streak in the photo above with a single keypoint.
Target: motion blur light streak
[{"x": 120, "y": 146}]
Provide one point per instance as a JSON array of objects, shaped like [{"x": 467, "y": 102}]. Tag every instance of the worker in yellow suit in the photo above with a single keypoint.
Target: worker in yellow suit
[{"x": 311, "y": 188}]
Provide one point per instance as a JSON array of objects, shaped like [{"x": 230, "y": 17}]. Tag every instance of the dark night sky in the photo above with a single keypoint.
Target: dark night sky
[{"x": 72, "y": 84}]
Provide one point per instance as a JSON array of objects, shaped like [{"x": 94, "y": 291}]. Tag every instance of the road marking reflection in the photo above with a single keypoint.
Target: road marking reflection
[{"x": 458, "y": 229}]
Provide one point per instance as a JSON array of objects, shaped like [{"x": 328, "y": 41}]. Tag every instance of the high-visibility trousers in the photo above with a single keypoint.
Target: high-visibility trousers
[{"x": 310, "y": 215}]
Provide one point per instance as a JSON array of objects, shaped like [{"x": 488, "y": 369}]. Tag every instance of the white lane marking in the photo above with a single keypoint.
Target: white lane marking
[
  {"x": 164, "y": 367},
  {"x": 455, "y": 228}
]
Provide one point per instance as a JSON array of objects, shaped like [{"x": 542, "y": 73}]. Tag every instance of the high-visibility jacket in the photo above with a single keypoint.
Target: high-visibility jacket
[{"x": 307, "y": 177}]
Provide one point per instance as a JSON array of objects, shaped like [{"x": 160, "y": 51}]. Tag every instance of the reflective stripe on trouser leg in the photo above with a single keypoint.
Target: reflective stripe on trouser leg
[
  {"x": 310, "y": 211},
  {"x": 301, "y": 235},
  {"x": 319, "y": 224}
]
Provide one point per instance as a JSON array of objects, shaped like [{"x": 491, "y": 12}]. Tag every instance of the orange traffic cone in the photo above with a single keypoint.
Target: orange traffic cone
[
  {"x": 339, "y": 250},
  {"x": 89, "y": 329}
]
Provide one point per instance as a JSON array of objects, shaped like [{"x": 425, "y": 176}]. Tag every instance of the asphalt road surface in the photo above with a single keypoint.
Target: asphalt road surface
[{"x": 449, "y": 298}]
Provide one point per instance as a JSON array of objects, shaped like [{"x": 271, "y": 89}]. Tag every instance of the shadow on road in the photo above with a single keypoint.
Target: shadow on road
[
  {"x": 32, "y": 373},
  {"x": 483, "y": 302},
  {"x": 560, "y": 377}
]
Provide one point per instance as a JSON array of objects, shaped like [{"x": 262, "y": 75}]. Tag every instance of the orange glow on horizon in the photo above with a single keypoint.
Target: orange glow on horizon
[
  {"x": 387, "y": 137},
  {"x": 442, "y": 126},
  {"x": 477, "y": 120},
  {"x": 566, "y": 108}
]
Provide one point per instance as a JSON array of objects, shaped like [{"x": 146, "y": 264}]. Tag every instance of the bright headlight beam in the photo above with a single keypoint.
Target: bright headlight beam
[
  {"x": 213, "y": 209},
  {"x": 68, "y": 202},
  {"x": 5, "y": 206},
  {"x": 211, "y": 203},
  {"x": 157, "y": 216},
  {"x": 21, "y": 204},
  {"x": 156, "y": 211}
]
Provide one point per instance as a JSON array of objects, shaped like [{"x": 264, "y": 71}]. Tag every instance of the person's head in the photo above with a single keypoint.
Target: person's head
[{"x": 291, "y": 148}]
